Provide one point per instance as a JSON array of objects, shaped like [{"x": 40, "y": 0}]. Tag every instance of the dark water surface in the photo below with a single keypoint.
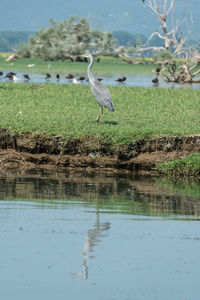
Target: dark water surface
[{"x": 98, "y": 237}]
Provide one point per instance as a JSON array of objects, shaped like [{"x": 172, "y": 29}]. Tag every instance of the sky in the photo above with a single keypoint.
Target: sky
[{"x": 127, "y": 15}]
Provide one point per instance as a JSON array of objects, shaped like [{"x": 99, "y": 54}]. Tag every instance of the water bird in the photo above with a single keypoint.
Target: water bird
[
  {"x": 27, "y": 77},
  {"x": 1, "y": 73},
  {"x": 10, "y": 75},
  {"x": 57, "y": 76},
  {"x": 15, "y": 78},
  {"x": 75, "y": 81},
  {"x": 81, "y": 78},
  {"x": 48, "y": 76},
  {"x": 31, "y": 65},
  {"x": 69, "y": 76},
  {"x": 121, "y": 79},
  {"x": 158, "y": 69},
  {"x": 100, "y": 79},
  {"x": 100, "y": 92},
  {"x": 155, "y": 80}
]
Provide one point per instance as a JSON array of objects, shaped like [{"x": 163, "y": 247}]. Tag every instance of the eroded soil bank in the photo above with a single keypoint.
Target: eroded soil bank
[{"x": 40, "y": 152}]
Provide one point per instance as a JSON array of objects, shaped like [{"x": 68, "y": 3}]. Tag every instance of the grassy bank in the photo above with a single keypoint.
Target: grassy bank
[
  {"x": 107, "y": 65},
  {"x": 188, "y": 166},
  {"x": 70, "y": 111}
]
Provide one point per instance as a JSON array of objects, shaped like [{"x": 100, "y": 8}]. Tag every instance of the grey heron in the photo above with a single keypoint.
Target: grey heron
[{"x": 100, "y": 92}]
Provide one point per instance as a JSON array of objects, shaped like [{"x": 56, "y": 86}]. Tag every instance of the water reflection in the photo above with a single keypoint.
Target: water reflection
[
  {"x": 93, "y": 238},
  {"x": 122, "y": 194},
  {"x": 110, "y": 230}
]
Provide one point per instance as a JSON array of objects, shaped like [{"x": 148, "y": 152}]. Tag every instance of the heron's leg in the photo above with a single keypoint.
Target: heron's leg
[{"x": 100, "y": 114}]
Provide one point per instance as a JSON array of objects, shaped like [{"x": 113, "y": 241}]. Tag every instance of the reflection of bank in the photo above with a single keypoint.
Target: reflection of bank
[{"x": 92, "y": 239}]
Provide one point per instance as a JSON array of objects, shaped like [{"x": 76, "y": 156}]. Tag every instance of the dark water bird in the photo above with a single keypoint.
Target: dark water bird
[
  {"x": 81, "y": 78},
  {"x": 27, "y": 77},
  {"x": 10, "y": 75},
  {"x": 158, "y": 69},
  {"x": 1, "y": 73},
  {"x": 121, "y": 79},
  {"x": 57, "y": 76},
  {"x": 48, "y": 76},
  {"x": 100, "y": 92},
  {"x": 155, "y": 80},
  {"x": 100, "y": 79},
  {"x": 69, "y": 76}
]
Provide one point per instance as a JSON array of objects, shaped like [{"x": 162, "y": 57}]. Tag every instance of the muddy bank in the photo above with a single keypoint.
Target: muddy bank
[{"x": 39, "y": 152}]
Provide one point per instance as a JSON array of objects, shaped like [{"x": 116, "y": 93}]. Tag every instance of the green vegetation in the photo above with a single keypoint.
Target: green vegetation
[
  {"x": 188, "y": 166},
  {"x": 70, "y": 111},
  {"x": 181, "y": 186},
  {"x": 107, "y": 65},
  {"x": 67, "y": 39}
]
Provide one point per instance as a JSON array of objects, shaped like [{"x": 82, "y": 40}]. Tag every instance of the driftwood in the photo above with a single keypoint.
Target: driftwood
[{"x": 12, "y": 57}]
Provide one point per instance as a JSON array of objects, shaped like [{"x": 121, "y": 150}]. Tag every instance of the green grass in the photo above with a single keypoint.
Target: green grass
[
  {"x": 70, "y": 111},
  {"x": 187, "y": 166},
  {"x": 107, "y": 65}
]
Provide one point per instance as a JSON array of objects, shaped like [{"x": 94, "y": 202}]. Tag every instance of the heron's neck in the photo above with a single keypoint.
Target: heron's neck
[{"x": 90, "y": 77}]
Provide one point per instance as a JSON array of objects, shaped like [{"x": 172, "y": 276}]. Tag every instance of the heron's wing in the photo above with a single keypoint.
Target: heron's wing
[{"x": 102, "y": 94}]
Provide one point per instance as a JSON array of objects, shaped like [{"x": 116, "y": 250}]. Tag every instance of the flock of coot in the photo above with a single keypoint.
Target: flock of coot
[{"x": 12, "y": 76}]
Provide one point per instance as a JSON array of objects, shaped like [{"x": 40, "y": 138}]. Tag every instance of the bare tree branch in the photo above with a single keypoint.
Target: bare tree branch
[
  {"x": 171, "y": 7},
  {"x": 154, "y": 48}
]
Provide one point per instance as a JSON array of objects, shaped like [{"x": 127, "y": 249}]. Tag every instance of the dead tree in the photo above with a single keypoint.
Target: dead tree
[
  {"x": 187, "y": 72},
  {"x": 171, "y": 35},
  {"x": 175, "y": 42}
]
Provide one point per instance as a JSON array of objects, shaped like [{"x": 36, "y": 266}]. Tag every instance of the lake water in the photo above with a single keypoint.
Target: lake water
[
  {"x": 80, "y": 236},
  {"x": 133, "y": 80}
]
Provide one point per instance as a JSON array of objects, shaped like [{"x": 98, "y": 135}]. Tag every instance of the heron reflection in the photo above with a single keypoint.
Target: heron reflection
[{"x": 93, "y": 238}]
